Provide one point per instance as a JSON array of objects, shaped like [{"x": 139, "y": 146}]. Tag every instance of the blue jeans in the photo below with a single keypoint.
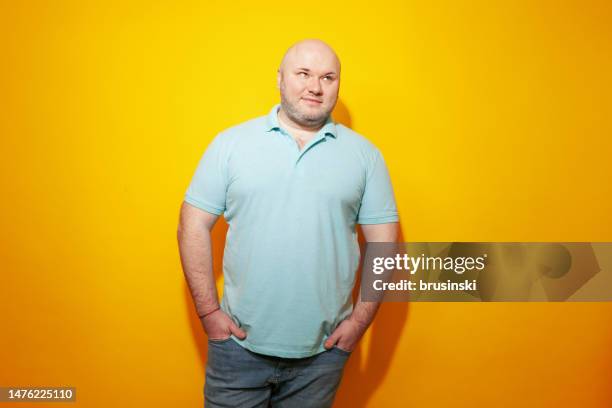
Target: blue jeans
[{"x": 237, "y": 377}]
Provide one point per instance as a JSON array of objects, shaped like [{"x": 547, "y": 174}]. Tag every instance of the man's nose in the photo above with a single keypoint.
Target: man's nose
[{"x": 314, "y": 85}]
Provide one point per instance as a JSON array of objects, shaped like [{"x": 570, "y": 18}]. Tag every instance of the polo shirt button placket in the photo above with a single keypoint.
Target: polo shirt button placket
[
  {"x": 305, "y": 150},
  {"x": 297, "y": 154}
]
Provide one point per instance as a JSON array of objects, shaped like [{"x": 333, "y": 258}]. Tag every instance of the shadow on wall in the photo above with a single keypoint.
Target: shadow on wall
[{"x": 360, "y": 380}]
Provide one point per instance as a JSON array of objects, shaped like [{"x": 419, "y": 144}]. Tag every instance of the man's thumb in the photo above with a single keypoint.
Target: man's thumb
[
  {"x": 237, "y": 331},
  {"x": 331, "y": 340}
]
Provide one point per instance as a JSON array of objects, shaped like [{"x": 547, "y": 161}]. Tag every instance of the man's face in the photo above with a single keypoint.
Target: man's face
[{"x": 309, "y": 79}]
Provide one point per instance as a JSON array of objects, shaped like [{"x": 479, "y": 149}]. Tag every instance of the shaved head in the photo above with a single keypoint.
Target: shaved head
[
  {"x": 311, "y": 46},
  {"x": 309, "y": 80}
]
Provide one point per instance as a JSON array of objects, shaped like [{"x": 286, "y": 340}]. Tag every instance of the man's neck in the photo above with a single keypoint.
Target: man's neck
[
  {"x": 291, "y": 125},
  {"x": 301, "y": 135}
]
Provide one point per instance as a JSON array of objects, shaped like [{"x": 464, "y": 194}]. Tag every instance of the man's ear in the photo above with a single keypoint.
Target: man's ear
[{"x": 278, "y": 79}]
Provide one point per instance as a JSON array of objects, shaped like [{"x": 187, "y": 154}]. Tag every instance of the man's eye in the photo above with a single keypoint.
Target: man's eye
[
  {"x": 302, "y": 74},
  {"x": 328, "y": 78}
]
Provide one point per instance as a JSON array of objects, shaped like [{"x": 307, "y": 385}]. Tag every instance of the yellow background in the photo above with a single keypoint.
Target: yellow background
[{"x": 494, "y": 119}]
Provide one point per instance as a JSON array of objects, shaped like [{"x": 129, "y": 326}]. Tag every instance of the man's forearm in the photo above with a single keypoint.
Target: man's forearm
[
  {"x": 196, "y": 258},
  {"x": 364, "y": 312}
]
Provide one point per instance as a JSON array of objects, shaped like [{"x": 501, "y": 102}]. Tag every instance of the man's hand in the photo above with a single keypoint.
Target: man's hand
[
  {"x": 347, "y": 335},
  {"x": 219, "y": 326}
]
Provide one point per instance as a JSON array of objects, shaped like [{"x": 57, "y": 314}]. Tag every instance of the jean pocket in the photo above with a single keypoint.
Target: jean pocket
[
  {"x": 219, "y": 341},
  {"x": 341, "y": 351}
]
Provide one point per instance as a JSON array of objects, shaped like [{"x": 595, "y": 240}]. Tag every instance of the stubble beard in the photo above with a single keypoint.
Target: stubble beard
[{"x": 294, "y": 113}]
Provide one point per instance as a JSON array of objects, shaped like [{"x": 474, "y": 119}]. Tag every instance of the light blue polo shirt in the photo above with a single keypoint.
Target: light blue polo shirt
[{"x": 291, "y": 252}]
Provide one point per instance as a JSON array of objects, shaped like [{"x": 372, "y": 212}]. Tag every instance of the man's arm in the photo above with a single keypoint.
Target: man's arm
[
  {"x": 195, "y": 249},
  {"x": 350, "y": 330}
]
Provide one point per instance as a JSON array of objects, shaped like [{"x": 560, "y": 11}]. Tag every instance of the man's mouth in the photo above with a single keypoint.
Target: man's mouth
[{"x": 313, "y": 101}]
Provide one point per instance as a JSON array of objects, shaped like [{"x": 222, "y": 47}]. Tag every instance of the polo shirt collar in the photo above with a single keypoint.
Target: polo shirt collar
[{"x": 329, "y": 128}]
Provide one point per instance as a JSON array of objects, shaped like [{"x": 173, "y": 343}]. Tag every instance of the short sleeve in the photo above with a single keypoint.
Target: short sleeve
[
  {"x": 208, "y": 187},
  {"x": 378, "y": 202}
]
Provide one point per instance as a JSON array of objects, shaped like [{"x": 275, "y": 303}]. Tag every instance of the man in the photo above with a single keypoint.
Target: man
[{"x": 292, "y": 185}]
